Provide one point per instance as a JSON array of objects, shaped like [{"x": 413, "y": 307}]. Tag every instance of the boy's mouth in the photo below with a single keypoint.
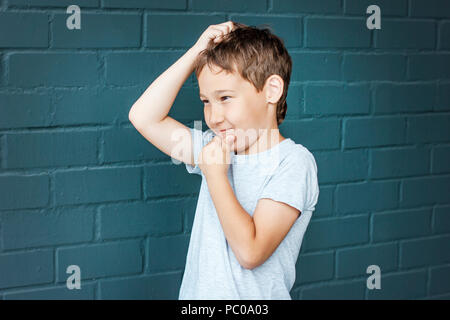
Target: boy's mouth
[{"x": 224, "y": 131}]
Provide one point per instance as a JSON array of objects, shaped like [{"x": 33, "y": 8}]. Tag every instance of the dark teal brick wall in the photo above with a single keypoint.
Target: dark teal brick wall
[{"x": 79, "y": 185}]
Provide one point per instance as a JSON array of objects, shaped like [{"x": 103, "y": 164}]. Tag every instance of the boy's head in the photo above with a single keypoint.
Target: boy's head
[{"x": 256, "y": 66}]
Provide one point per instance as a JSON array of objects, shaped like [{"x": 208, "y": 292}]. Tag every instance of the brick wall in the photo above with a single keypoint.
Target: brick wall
[{"x": 79, "y": 185}]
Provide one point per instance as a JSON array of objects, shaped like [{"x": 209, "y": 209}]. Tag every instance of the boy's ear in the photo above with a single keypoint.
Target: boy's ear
[{"x": 274, "y": 88}]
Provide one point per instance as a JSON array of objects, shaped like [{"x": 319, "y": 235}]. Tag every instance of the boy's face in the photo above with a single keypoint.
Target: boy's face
[{"x": 239, "y": 106}]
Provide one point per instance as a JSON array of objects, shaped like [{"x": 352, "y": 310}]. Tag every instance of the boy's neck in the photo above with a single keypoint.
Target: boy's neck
[{"x": 268, "y": 139}]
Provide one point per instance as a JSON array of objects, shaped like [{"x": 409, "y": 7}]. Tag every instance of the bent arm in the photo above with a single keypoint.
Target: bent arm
[{"x": 149, "y": 114}]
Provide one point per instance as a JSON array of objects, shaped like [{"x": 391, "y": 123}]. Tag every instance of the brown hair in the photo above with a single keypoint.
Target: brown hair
[{"x": 257, "y": 54}]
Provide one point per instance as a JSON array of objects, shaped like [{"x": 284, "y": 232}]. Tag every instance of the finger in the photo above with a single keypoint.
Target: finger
[
  {"x": 228, "y": 146},
  {"x": 218, "y": 141},
  {"x": 228, "y": 142},
  {"x": 228, "y": 25},
  {"x": 219, "y": 37},
  {"x": 223, "y": 28}
]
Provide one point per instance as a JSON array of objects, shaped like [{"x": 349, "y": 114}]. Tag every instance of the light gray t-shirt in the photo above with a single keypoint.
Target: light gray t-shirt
[{"x": 287, "y": 173}]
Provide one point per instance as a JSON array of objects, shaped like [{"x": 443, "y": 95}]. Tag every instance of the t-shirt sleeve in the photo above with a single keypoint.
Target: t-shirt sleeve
[
  {"x": 199, "y": 140},
  {"x": 294, "y": 182}
]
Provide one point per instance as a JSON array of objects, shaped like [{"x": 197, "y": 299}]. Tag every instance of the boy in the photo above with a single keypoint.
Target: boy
[{"x": 258, "y": 188}]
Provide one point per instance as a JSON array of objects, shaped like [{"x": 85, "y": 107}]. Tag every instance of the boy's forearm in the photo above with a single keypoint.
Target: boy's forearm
[
  {"x": 155, "y": 103},
  {"x": 237, "y": 224}
]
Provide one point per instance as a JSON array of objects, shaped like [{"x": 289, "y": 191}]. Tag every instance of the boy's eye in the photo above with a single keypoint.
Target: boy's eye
[{"x": 206, "y": 101}]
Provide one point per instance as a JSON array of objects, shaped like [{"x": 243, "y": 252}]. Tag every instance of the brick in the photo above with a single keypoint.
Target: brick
[
  {"x": 429, "y": 66},
  {"x": 404, "y": 98},
  {"x": 374, "y": 132},
  {"x": 137, "y": 68},
  {"x": 13, "y": 107},
  {"x": 52, "y": 3},
  {"x": 401, "y": 224},
  {"x": 97, "y": 185},
  {"x": 314, "y": 267},
  {"x": 172, "y": 180},
  {"x": 96, "y": 30},
  {"x": 393, "y": 286},
  {"x": 392, "y": 163},
  {"x": 87, "y": 106},
  {"x": 28, "y": 150},
  {"x": 342, "y": 231},
  {"x": 132, "y": 146},
  {"x": 30, "y": 30},
  {"x": 440, "y": 280},
  {"x": 336, "y": 33},
  {"x": 312, "y": 133},
  {"x": 364, "y": 197},
  {"x": 154, "y": 287},
  {"x": 290, "y": 30},
  {"x": 425, "y": 252},
  {"x": 142, "y": 219},
  {"x": 307, "y": 6},
  {"x": 441, "y": 155},
  {"x": 315, "y": 66},
  {"x": 336, "y": 291},
  {"x": 439, "y": 297},
  {"x": 338, "y": 166},
  {"x": 101, "y": 260},
  {"x": 33, "y": 229},
  {"x": 168, "y": 253},
  {"x": 441, "y": 220},
  {"x": 189, "y": 214},
  {"x": 145, "y": 4},
  {"x": 24, "y": 191},
  {"x": 86, "y": 292},
  {"x": 230, "y": 5},
  {"x": 358, "y": 66},
  {"x": 187, "y": 105},
  {"x": 337, "y": 99},
  {"x": 53, "y": 69},
  {"x": 2, "y": 152},
  {"x": 193, "y": 26},
  {"x": 324, "y": 207},
  {"x": 295, "y": 102},
  {"x": 444, "y": 33},
  {"x": 353, "y": 262},
  {"x": 399, "y": 34},
  {"x": 443, "y": 97},
  {"x": 388, "y": 7},
  {"x": 428, "y": 128},
  {"x": 28, "y": 268},
  {"x": 425, "y": 191},
  {"x": 2, "y": 67},
  {"x": 430, "y": 8}
]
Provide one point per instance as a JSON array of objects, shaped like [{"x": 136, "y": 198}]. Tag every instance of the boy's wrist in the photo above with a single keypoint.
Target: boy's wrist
[
  {"x": 214, "y": 175},
  {"x": 194, "y": 50}
]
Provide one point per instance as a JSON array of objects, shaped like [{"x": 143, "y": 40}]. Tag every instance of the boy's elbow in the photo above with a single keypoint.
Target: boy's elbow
[
  {"x": 250, "y": 262},
  {"x": 251, "y": 256},
  {"x": 247, "y": 265},
  {"x": 131, "y": 115},
  {"x": 132, "y": 118}
]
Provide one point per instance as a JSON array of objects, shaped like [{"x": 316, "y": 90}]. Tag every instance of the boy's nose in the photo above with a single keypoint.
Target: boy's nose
[{"x": 216, "y": 115}]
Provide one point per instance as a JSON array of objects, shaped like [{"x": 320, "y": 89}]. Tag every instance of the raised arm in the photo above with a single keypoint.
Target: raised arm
[{"x": 149, "y": 114}]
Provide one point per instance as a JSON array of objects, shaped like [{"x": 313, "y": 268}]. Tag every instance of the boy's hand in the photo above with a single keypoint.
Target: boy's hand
[
  {"x": 214, "y": 31},
  {"x": 215, "y": 157}
]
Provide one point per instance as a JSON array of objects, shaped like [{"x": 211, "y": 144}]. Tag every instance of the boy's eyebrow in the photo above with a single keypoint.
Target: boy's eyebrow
[{"x": 217, "y": 91}]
